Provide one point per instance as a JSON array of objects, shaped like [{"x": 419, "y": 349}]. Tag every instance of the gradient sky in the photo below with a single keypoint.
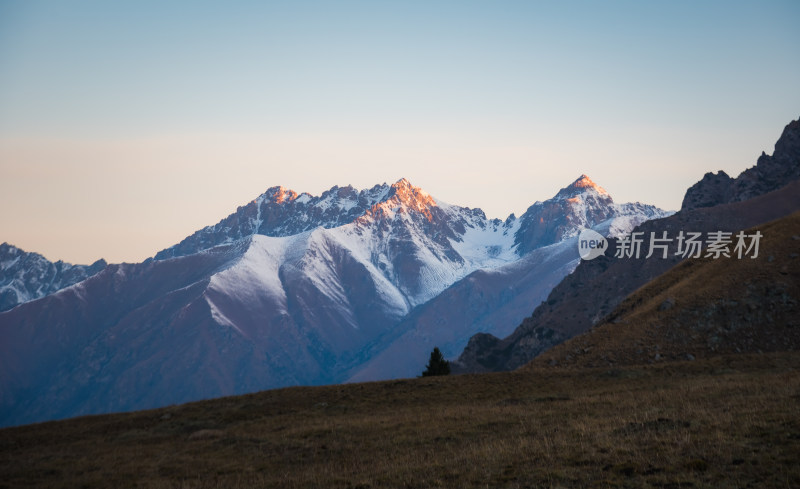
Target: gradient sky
[{"x": 126, "y": 126}]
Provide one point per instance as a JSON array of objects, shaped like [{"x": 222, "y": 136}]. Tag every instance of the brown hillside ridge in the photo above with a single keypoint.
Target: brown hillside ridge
[{"x": 702, "y": 308}]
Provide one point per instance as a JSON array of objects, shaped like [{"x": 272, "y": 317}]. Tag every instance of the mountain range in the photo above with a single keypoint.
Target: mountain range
[{"x": 294, "y": 289}]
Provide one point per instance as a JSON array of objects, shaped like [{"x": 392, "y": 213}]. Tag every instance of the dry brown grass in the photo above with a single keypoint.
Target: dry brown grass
[
  {"x": 731, "y": 421},
  {"x": 701, "y": 308}
]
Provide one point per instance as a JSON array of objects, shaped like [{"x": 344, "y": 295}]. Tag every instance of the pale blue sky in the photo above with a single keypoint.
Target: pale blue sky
[{"x": 125, "y": 126}]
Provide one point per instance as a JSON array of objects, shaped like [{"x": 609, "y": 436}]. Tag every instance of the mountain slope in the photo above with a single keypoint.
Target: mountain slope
[
  {"x": 485, "y": 300},
  {"x": 126, "y": 332},
  {"x": 701, "y": 308},
  {"x": 493, "y": 299},
  {"x": 27, "y": 276},
  {"x": 597, "y": 286}
]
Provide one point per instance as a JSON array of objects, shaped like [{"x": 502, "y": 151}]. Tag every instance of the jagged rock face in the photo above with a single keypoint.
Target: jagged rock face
[
  {"x": 582, "y": 204},
  {"x": 282, "y": 212},
  {"x": 770, "y": 173},
  {"x": 27, "y": 276},
  {"x": 713, "y": 189}
]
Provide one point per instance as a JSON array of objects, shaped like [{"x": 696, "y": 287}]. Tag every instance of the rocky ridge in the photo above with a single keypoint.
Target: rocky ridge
[
  {"x": 26, "y": 276},
  {"x": 770, "y": 172}
]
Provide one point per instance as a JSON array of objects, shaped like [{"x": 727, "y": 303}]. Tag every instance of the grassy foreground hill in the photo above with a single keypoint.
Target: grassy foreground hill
[{"x": 727, "y": 421}]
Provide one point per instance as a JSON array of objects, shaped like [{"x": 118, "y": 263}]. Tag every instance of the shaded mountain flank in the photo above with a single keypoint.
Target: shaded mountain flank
[
  {"x": 596, "y": 287},
  {"x": 26, "y": 276},
  {"x": 702, "y": 307}
]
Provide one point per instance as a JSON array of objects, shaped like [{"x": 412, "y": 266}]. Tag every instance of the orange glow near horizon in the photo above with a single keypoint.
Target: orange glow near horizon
[
  {"x": 125, "y": 128},
  {"x": 126, "y": 199}
]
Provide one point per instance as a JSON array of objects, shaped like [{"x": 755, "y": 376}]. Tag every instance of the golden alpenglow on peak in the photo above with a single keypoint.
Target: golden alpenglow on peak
[{"x": 585, "y": 182}]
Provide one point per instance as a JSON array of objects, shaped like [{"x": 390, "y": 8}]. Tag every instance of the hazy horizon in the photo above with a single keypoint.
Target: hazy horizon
[{"x": 126, "y": 127}]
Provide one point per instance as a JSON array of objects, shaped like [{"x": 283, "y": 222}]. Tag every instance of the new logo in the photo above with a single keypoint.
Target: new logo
[{"x": 591, "y": 244}]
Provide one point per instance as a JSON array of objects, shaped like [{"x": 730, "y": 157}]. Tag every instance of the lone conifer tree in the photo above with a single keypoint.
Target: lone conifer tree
[{"x": 437, "y": 365}]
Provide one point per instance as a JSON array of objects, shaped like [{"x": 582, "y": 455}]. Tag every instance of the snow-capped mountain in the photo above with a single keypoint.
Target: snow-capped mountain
[
  {"x": 27, "y": 276},
  {"x": 414, "y": 245},
  {"x": 282, "y": 212},
  {"x": 583, "y": 204},
  {"x": 533, "y": 254},
  {"x": 293, "y": 289}
]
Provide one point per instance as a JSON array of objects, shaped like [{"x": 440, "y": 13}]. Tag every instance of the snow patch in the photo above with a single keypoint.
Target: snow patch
[
  {"x": 361, "y": 244},
  {"x": 487, "y": 247},
  {"x": 257, "y": 272},
  {"x": 9, "y": 263},
  {"x": 220, "y": 318}
]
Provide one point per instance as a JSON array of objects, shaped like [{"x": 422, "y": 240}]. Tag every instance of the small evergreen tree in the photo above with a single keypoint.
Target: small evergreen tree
[{"x": 437, "y": 365}]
